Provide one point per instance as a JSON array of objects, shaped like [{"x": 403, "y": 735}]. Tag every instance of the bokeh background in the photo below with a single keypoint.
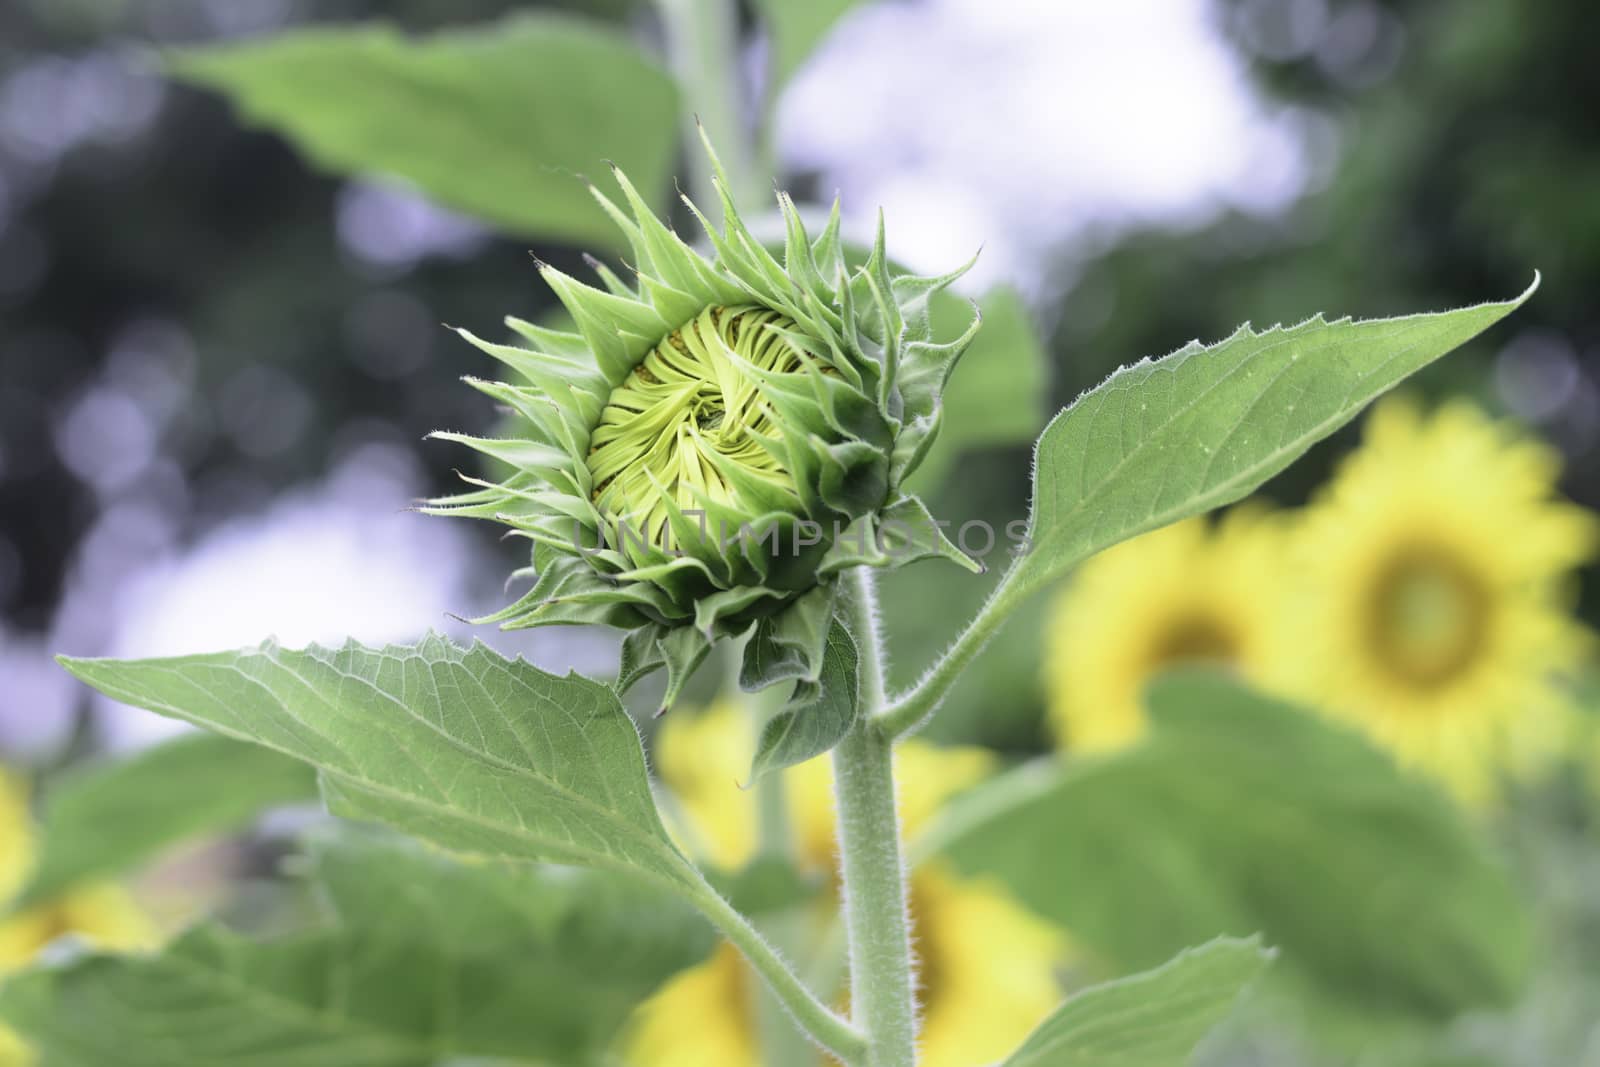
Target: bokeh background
[{"x": 218, "y": 364}]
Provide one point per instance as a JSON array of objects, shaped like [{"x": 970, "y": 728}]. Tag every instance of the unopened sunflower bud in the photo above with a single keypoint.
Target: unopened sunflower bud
[{"x": 716, "y": 442}]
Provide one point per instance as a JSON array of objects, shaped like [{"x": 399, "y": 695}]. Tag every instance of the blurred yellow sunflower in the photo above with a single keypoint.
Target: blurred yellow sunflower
[
  {"x": 13, "y": 1053},
  {"x": 1436, "y": 573},
  {"x": 1197, "y": 591},
  {"x": 988, "y": 966},
  {"x": 103, "y": 915}
]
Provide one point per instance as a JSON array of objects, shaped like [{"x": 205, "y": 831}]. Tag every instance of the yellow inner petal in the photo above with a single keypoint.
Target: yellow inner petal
[{"x": 687, "y": 426}]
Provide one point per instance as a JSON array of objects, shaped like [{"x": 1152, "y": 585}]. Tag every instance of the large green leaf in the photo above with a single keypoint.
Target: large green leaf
[
  {"x": 497, "y": 121},
  {"x": 1203, "y": 427},
  {"x": 106, "y": 821},
  {"x": 1154, "y": 1019},
  {"x": 997, "y": 393},
  {"x": 1241, "y": 813},
  {"x": 795, "y": 28},
  {"x": 427, "y": 959},
  {"x": 473, "y": 751}
]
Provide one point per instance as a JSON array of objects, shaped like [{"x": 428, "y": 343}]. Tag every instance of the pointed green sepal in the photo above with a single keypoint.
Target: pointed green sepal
[{"x": 790, "y": 644}]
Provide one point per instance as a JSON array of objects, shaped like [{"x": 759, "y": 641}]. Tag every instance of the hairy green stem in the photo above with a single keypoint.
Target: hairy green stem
[
  {"x": 911, "y": 709},
  {"x": 816, "y": 1019},
  {"x": 882, "y": 980},
  {"x": 702, "y": 39},
  {"x": 860, "y": 593},
  {"x": 882, "y": 972}
]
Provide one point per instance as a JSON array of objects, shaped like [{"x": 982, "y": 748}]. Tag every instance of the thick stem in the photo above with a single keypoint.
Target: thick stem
[
  {"x": 815, "y": 1018},
  {"x": 882, "y": 979},
  {"x": 702, "y": 39},
  {"x": 912, "y": 708},
  {"x": 882, "y": 973},
  {"x": 860, "y": 598}
]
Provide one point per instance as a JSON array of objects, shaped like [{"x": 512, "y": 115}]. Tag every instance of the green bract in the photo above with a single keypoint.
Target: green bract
[{"x": 717, "y": 441}]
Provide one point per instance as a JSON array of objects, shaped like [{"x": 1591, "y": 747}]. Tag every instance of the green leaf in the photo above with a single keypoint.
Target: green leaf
[
  {"x": 427, "y": 959},
  {"x": 460, "y": 746},
  {"x": 106, "y": 821},
  {"x": 1154, "y": 1019},
  {"x": 498, "y": 122},
  {"x": 996, "y": 396},
  {"x": 796, "y": 29},
  {"x": 1165, "y": 439},
  {"x": 1241, "y": 813},
  {"x": 824, "y": 714}
]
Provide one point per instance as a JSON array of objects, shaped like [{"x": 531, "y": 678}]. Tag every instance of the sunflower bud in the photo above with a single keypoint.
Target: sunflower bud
[{"x": 716, "y": 441}]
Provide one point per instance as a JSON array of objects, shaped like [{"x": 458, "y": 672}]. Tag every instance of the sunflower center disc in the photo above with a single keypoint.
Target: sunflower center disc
[
  {"x": 1195, "y": 639},
  {"x": 686, "y": 429},
  {"x": 1429, "y": 617}
]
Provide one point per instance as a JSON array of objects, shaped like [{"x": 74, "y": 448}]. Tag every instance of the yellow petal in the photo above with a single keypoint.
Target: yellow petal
[
  {"x": 702, "y": 758},
  {"x": 13, "y": 1053},
  {"x": 989, "y": 968},
  {"x": 16, "y": 833},
  {"x": 703, "y": 1017},
  {"x": 105, "y": 916}
]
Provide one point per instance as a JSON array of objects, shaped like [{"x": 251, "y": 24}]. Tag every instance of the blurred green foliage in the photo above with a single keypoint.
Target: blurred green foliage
[
  {"x": 452, "y": 113},
  {"x": 1270, "y": 820},
  {"x": 1460, "y": 151}
]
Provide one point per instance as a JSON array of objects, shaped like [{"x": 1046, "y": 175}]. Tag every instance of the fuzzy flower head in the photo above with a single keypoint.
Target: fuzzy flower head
[
  {"x": 1199, "y": 591},
  {"x": 1436, "y": 614},
  {"x": 716, "y": 440}
]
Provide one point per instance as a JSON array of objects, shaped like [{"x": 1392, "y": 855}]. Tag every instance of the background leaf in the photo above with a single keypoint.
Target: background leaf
[
  {"x": 107, "y": 820},
  {"x": 1240, "y": 813},
  {"x": 1165, "y": 439},
  {"x": 1154, "y": 1019},
  {"x": 823, "y": 715},
  {"x": 460, "y": 746},
  {"x": 498, "y": 122},
  {"x": 795, "y": 30},
  {"x": 767, "y": 884},
  {"x": 427, "y": 959}
]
